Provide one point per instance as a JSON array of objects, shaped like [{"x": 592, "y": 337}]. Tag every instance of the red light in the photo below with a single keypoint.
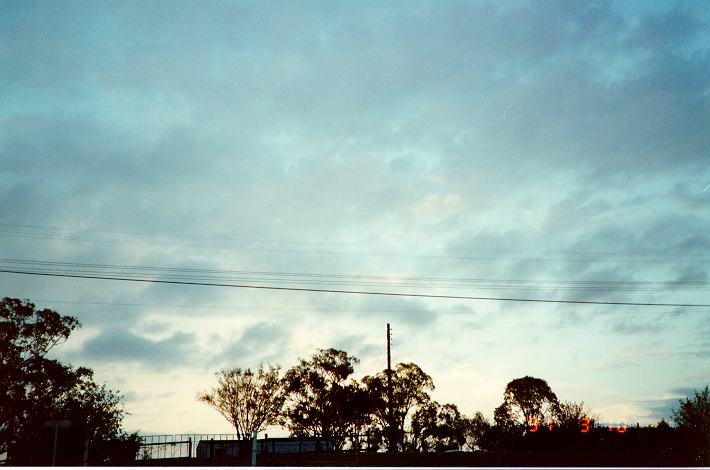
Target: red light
[
  {"x": 533, "y": 423},
  {"x": 549, "y": 426},
  {"x": 585, "y": 425},
  {"x": 622, "y": 426}
]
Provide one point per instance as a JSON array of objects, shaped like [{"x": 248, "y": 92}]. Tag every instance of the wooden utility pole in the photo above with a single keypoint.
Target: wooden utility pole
[{"x": 392, "y": 445}]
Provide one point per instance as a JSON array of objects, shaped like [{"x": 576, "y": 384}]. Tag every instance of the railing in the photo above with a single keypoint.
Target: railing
[{"x": 169, "y": 446}]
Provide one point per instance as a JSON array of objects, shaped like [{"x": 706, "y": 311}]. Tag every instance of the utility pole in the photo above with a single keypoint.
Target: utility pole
[{"x": 392, "y": 445}]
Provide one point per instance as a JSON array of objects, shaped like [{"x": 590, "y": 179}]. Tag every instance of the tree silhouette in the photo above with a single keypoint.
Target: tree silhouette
[
  {"x": 526, "y": 400},
  {"x": 410, "y": 387},
  {"x": 438, "y": 428},
  {"x": 36, "y": 389},
  {"x": 693, "y": 420},
  {"x": 321, "y": 401},
  {"x": 477, "y": 432},
  {"x": 568, "y": 416},
  {"x": 250, "y": 401}
]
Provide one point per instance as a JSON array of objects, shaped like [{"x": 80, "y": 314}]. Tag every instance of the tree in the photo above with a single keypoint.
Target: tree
[
  {"x": 450, "y": 430},
  {"x": 504, "y": 420},
  {"x": 320, "y": 399},
  {"x": 250, "y": 401},
  {"x": 477, "y": 432},
  {"x": 663, "y": 425},
  {"x": 438, "y": 428},
  {"x": 693, "y": 419},
  {"x": 694, "y": 413},
  {"x": 423, "y": 426},
  {"x": 410, "y": 387},
  {"x": 362, "y": 405},
  {"x": 36, "y": 389},
  {"x": 526, "y": 400},
  {"x": 26, "y": 336},
  {"x": 568, "y": 416}
]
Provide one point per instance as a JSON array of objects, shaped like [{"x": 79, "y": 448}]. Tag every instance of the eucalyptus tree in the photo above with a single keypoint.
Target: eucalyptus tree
[
  {"x": 250, "y": 400},
  {"x": 410, "y": 391},
  {"x": 322, "y": 400},
  {"x": 527, "y": 401},
  {"x": 35, "y": 388},
  {"x": 438, "y": 428}
]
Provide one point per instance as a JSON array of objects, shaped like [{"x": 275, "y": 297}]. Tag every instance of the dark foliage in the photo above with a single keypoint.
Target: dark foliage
[
  {"x": 438, "y": 428},
  {"x": 526, "y": 399},
  {"x": 693, "y": 420},
  {"x": 320, "y": 399},
  {"x": 36, "y": 389},
  {"x": 249, "y": 400},
  {"x": 410, "y": 391}
]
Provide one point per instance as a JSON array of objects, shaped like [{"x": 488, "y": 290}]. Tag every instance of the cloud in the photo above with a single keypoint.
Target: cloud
[
  {"x": 260, "y": 342},
  {"x": 670, "y": 29},
  {"x": 413, "y": 313},
  {"x": 663, "y": 408},
  {"x": 119, "y": 345},
  {"x": 360, "y": 346},
  {"x": 543, "y": 142},
  {"x": 691, "y": 198},
  {"x": 649, "y": 323}
]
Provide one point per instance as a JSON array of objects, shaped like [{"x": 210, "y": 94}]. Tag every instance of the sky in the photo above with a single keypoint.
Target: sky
[{"x": 545, "y": 150}]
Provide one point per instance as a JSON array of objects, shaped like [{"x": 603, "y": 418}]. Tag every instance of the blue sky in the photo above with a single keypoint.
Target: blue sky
[{"x": 467, "y": 145}]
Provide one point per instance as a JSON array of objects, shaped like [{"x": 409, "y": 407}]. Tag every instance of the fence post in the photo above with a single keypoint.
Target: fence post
[
  {"x": 85, "y": 460},
  {"x": 253, "y": 451}
]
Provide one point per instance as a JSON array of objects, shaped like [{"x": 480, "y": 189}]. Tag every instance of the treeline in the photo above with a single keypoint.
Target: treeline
[
  {"x": 394, "y": 412},
  {"x": 318, "y": 397}
]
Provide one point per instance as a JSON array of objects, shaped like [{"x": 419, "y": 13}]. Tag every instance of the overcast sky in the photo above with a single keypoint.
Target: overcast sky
[{"x": 541, "y": 150}]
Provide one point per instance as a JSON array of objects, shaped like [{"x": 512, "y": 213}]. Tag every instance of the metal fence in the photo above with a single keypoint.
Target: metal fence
[{"x": 168, "y": 446}]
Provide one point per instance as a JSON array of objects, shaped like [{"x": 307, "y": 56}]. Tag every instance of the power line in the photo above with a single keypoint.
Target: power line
[
  {"x": 300, "y": 282},
  {"x": 356, "y": 292},
  {"x": 164, "y": 235},
  {"x": 344, "y": 279},
  {"x": 310, "y": 242},
  {"x": 30, "y": 231},
  {"x": 232, "y": 308}
]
